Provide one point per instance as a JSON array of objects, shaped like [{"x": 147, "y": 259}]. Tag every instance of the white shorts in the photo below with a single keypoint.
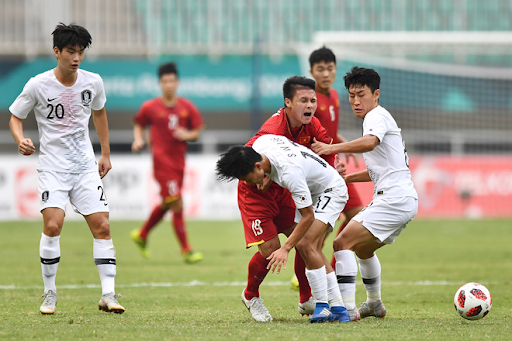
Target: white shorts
[
  {"x": 328, "y": 207},
  {"x": 385, "y": 218},
  {"x": 84, "y": 191}
]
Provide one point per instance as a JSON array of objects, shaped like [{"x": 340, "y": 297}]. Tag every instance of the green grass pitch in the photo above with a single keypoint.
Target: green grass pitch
[{"x": 166, "y": 299}]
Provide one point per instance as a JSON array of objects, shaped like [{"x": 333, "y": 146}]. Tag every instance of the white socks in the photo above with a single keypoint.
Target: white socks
[
  {"x": 104, "y": 255},
  {"x": 49, "y": 251},
  {"x": 333, "y": 291},
  {"x": 370, "y": 272},
  {"x": 346, "y": 272},
  {"x": 317, "y": 279}
]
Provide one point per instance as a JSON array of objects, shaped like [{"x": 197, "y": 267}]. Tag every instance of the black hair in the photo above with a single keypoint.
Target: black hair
[
  {"x": 167, "y": 68},
  {"x": 235, "y": 162},
  {"x": 71, "y": 35},
  {"x": 294, "y": 83},
  {"x": 323, "y": 54},
  {"x": 362, "y": 76}
]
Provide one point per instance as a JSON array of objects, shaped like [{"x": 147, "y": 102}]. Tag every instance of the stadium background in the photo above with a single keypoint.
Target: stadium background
[{"x": 445, "y": 67}]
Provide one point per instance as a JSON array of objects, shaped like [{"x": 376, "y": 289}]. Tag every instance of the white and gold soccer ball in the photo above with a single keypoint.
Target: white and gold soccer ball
[{"x": 473, "y": 301}]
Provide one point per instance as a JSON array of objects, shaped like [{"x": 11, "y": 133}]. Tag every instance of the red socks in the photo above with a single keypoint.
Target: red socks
[
  {"x": 180, "y": 230},
  {"x": 257, "y": 272},
  {"x": 300, "y": 272},
  {"x": 155, "y": 217}
]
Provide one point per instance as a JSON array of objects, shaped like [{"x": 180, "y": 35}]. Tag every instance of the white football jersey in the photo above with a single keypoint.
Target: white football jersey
[
  {"x": 298, "y": 169},
  {"x": 388, "y": 163},
  {"x": 62, "y": 114}
]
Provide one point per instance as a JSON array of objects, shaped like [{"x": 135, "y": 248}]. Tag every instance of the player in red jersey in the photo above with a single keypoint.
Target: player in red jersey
[
  {"x": 269, "y": 210},
  {"x": 172, "y": 121},
  {"x": 323, "y": 69}
]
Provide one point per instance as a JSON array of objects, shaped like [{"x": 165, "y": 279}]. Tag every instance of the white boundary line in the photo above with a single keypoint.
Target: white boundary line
[{"x": 196, "y": 283}]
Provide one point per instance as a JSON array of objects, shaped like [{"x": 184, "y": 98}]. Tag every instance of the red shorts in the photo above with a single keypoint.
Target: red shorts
[
  {"x": 354, "y": 200},
  {"x": 264, "y": 214},
  {"x": 170, "y": 184}
]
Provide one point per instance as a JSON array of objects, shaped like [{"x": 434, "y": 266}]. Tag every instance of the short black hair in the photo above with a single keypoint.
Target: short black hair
[
  {"x": 294, "y": 83},
  {"x": 236, "y": 161},
  {"x": 362, "y": 76},
  {"x": 167, "y": 68},
  {"x": 323, "y": 54},
  {"x": 71, "y": 35}
]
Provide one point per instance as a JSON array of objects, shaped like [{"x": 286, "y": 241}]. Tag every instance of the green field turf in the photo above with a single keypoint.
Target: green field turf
[{"x": 166, "y": 299}]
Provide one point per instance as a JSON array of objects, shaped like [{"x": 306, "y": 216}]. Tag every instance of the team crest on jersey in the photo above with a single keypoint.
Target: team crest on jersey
[
  {"x": 183, "y": 113},
  {"x": 86, "y": 97},
  {"x": 304, "y": 140},
  {"x": 45, "y": 196}
]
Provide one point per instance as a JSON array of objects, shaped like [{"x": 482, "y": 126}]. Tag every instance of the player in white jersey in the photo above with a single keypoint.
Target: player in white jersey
[
  {"x": 62, "y": 100},
  {"x": 395, "y": 201},
  {"x": 319, "y": 193}
]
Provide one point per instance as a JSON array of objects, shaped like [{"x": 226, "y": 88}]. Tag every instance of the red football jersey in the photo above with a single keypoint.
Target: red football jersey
[
  {"x": 168, "y": 152},
  {"x": 328, "y": 112},
  {"x": 278, "y": 124}
]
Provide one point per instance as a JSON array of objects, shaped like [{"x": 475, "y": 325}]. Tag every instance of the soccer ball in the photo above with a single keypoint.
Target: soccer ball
[{"x": 472, "y": 301}]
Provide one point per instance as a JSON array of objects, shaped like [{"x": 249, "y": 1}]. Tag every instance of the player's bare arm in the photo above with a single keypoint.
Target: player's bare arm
[
  {"x": 138, "y": 138},
  {"x": 25, "y": 145},
  {"x": 99, "y": 118},
  {"x": 361, "y": 145},
  {"x": 362, "y": 176},
  {"x": 279, "y": 257}
]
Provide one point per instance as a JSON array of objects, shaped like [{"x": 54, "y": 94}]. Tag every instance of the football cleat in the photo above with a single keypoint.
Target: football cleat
[
  {"x": 49, "y": 303},
  {"x": 257, "y": 309},
  {"x": 192, "y": 257},
  {"x": 108, "y": 303},
  {"x": 376, "y": 309},
  {"x": 308, "y": 307},
  {"x": 354, "y": 314},
  {"x": 321, "y": 313},
  {"x": 339, "y": 314},
  {"x": 141, "y": 243}
]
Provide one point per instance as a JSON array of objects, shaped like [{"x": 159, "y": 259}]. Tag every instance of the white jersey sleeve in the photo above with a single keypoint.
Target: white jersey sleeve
[{"x": 25, "y": 102}]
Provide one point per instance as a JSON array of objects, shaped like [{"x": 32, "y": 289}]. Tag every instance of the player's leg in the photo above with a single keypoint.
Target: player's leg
[
  {"x": 104, "y": 254},
  {"x": 317, "y": 271},
  {"x": 49, "y": 252},
  {"x": 54, "y": 195},
  {"x": 258, "y": 210},
  {"x": 89, "y": 199},
  {"x": 354, "y": 206},
  {"x": 178, "y": 223},
  {"x": 169, "y": 192}
]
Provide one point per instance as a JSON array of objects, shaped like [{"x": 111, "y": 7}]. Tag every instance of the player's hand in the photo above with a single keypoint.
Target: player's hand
[
  {"x": 348, "y": 156},
  {"x": 26, "y": 147},
  {"x": 320, "y": 148},
  {"x": 265, "y": 185},
  {"x": 181, "y": 134},
  {"x": 277, "y": 259},
  {"x": 339, "y": 165},
  {"x": 137, "y": 145},
  {"x": 104, "y": 166}
]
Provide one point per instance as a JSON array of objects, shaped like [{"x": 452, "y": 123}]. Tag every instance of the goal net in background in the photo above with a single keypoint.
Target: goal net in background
[{"x": 451, "y": 93}]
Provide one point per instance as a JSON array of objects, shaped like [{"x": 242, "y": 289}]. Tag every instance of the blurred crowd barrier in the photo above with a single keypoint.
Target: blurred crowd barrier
[{"x": 465, "y": 186}]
